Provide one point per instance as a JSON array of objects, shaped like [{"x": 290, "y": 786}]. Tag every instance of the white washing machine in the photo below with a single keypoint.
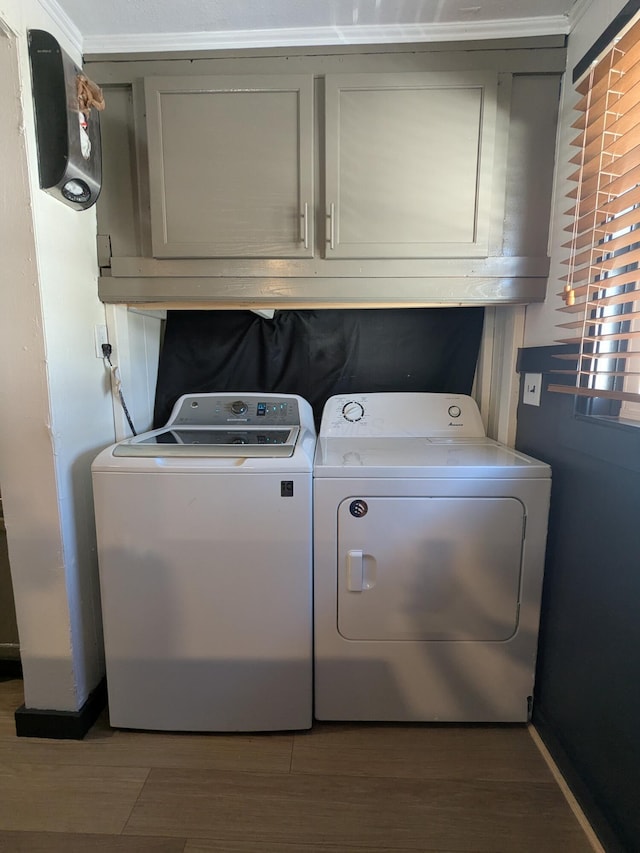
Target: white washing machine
[
  {"x": 429, "y": 542},
  {"x": 204, "y": 546}
]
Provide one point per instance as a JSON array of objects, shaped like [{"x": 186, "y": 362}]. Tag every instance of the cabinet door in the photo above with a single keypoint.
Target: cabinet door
[
  {"x": 409, "y": 159},
  {"x": 231, "y": 166}
]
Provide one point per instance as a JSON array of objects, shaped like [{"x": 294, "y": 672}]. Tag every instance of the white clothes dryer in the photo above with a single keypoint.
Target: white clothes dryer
[
  {"x": 204, "y": 531},
  {"x": 429, "y": 542}
]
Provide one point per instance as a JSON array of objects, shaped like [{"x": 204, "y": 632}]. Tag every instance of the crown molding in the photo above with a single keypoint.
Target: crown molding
[
  {"x": 317, "y": 36},
  {"x": 6, "y": 31},
  {"x": 577, "y": 12},
  {"x": 64, "y": 24}
]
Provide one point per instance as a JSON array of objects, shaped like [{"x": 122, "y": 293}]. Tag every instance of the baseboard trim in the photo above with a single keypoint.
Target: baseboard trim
[
  {"x": 599, "y": 831},
  {"x": 62, "y": 725},
  {"x": 566, "y": 790},
  {"x": 10, "y": 668}
]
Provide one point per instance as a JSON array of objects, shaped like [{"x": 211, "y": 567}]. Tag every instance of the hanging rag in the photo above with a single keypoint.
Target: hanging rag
[{"x": 89, "y": 95}]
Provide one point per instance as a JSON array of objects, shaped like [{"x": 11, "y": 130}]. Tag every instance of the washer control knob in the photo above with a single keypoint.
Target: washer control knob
[
  {"x": 454, "y": 411},
  {"x": 353, "y": 411},
  {"x": 239, "y": 407}
]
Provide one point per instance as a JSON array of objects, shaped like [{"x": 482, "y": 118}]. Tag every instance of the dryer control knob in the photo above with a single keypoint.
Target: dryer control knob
[
  {"x": 239, "y": 407},
  {"x": 454, "y": 411},
  {"x": 353, "y": 411}
]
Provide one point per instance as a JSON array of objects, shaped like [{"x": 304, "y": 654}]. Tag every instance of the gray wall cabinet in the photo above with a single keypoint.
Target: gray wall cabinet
[
  {"x": 230, "y": 166},
  {"x": 382, "y": 176},
  {"x": 409, "y": 164}
]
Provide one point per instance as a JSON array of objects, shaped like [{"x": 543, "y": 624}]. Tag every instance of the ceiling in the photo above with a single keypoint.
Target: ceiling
[{"x": 107, "y": 26}]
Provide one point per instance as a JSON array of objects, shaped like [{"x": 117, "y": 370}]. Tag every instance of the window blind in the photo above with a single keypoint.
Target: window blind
[{"x": 602, "y": 286}]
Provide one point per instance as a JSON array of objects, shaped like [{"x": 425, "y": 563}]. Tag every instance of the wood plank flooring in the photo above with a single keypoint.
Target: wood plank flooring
[{"x": 340, "y": 788}]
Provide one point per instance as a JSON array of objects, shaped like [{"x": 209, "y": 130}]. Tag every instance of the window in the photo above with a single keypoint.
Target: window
[{"x": 602, "y": 285}]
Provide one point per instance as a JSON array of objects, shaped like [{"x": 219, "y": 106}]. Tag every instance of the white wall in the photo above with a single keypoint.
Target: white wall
[
  {"x": 591, "y": 21},
  {"x": 135, "y": 337},
  {"x": 55, "y": 405}
]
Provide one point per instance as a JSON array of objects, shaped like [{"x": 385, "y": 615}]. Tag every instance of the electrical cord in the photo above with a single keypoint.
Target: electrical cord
[{"x": 106, "y": 352}]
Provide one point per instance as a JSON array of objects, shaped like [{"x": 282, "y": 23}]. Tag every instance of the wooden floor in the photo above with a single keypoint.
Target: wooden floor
[{"x": 337, "y": 789}]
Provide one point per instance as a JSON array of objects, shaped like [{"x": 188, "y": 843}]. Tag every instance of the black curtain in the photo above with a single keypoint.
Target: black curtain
[{"x": 317, "y": 353}]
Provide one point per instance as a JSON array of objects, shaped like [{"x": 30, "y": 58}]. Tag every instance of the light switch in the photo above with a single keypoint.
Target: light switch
[{"x": 532, "y": 388}]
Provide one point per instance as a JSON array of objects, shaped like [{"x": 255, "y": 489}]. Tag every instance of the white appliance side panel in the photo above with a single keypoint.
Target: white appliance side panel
[
  {"x": 206, "y": 597},
  {"x": 429, "y": 568}
]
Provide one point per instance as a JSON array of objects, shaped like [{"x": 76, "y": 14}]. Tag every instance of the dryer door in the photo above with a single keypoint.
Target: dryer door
[{"x": 429, "y": 568}]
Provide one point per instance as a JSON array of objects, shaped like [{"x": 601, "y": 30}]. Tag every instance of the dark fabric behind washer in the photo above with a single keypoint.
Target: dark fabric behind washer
[{"x": 318, "y": 353}]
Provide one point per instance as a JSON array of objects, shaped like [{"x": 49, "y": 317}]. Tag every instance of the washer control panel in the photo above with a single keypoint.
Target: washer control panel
[
  {"x": 216, "y": 410},
  {"x": 402, "y": 414}
]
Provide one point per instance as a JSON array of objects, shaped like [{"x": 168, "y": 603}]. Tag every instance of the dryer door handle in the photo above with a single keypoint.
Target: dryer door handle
[{"x": 355, "y": 571}]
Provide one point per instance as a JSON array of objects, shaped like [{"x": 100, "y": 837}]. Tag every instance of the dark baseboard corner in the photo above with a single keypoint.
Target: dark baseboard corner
[
  {"x": 62, "y": 725},
  {"x": 10, "y": 668}
]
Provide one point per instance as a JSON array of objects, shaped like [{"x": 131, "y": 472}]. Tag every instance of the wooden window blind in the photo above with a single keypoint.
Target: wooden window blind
[{"x": 602, "y": 285}]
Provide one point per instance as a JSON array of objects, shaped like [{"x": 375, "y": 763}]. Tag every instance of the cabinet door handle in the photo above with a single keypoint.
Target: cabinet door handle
[
  {"x": 304, "y": 225},
  {"x": 331, "y": 228}
]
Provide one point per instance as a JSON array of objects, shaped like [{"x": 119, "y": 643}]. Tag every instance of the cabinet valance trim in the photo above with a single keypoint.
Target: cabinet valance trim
[
  {"x": 307, "y": 271},
  {"x": 300, "y": 293}
]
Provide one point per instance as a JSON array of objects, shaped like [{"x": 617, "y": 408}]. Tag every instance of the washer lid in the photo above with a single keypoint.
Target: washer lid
[
  {"x": 423, "y": 457},
  {"x": 229, "y": 425},
  {"x": 207, "y": 441}
]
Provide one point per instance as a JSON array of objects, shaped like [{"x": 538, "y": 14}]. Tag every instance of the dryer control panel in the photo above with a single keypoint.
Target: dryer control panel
[{"x": 402, "y": 414}]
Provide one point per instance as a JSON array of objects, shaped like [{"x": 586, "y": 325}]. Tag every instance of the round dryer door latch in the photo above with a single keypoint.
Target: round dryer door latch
[{"x": 358, "y": 508}]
